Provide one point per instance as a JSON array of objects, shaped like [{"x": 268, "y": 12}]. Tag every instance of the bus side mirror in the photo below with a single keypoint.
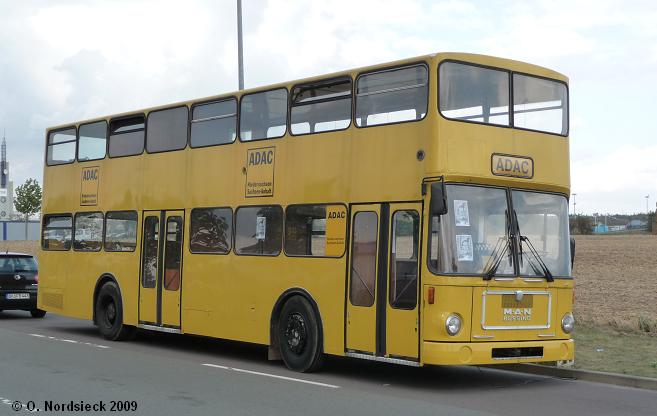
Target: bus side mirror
[
  {"x": 572, "y": 252},
  {"x": 438, "y": 205}
]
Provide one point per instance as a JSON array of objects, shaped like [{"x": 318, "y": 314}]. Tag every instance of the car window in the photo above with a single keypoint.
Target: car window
[{"x": 17, "y": 264}]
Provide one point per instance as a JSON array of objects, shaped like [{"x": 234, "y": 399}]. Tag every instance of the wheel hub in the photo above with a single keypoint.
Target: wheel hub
[
  {"x": 111, "y": 313},
  {"x": 295, "y": 333}
]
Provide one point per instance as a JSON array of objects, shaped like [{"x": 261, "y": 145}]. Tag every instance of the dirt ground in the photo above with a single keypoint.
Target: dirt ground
[
  {"x": 31, "y": 247},
  {"x": 616, "y": 279}
]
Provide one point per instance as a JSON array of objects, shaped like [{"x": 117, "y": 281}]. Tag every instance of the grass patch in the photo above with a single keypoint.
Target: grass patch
[{"x": 615, "y": 350}]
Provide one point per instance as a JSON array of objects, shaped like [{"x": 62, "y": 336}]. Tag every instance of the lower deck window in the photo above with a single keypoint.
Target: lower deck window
[
  {"x": 56, "y": 232},
  {"x": 315, "y": 230},
  {"x": 120, "y": 231},
  {"x": 259, "y": 230}
]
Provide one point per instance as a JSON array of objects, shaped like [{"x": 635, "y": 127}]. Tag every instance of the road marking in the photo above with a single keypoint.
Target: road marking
[
  {"x": 17, "y": 406},
  {"x": 257, "y": 373},
  {"x": 70, "y": 341}
]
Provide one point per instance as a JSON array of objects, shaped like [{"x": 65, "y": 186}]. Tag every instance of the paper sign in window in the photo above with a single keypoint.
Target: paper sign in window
[
  {"x": 461, "y": 213},
  {"x": 464, "y": 249},
  {"x": 261, "y": 228}
]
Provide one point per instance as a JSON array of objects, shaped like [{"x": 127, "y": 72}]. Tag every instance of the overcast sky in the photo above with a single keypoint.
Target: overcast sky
[{"x": 62, "y": 61}]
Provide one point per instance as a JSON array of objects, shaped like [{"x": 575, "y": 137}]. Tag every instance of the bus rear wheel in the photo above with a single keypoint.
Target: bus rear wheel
[
  {"x": 109, "y": 314},
  {"x": 299, "y": 336}
]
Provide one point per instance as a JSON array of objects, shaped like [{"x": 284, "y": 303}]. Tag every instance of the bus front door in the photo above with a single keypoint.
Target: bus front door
[
  {"x": 382, "y": 297},
  {"x": 161, "y": 268}
]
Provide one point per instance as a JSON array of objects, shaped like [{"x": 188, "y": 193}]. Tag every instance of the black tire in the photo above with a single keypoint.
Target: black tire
[
  {"x": 109, "y": 314},
  {"x": 37, "y": 313},
  {"x": 300, "y": 336}
]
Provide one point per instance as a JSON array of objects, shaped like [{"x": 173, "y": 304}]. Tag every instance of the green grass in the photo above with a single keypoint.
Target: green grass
[{"x": 616, "y": 350}]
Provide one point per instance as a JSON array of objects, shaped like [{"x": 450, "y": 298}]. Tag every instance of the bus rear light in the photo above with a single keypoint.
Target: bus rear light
[
  {"x": 431, "y": 295},
  {"x": 36, "y": 278}
]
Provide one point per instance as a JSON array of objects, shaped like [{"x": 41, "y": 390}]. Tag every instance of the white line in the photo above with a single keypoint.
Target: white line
[
  {"x": 70, "y": 341},
  {"x": 217, "y": 366},
  {"x": 257, "y": 373}
]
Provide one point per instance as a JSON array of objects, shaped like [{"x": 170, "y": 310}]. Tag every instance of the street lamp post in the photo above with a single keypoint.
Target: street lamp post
[
  {"x": 240, "y": 55},
  {"x": 647, "y": 207},
  {"x": 575, "y": 204}
]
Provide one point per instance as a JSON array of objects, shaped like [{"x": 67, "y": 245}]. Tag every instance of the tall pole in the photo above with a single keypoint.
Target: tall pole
[
  {"x": 240, "y": 55},
  {"x": 575, "y": 204},
  {"x": 647, "y": 207}
]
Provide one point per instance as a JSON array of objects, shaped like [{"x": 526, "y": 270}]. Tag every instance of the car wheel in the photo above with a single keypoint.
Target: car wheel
[
  {"x": 109, "y": 314},
  {"x": 299, "y": 336},
  {"x": 37, "y": 313}
]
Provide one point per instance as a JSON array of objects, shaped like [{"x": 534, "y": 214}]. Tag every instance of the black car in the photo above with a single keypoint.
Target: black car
[{"x": 19, "y": 279}]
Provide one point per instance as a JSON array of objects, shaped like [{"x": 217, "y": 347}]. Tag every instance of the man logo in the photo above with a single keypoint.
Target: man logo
[
  {"x": 17, "y": 277},
  {"x": 519, "y": 295}
]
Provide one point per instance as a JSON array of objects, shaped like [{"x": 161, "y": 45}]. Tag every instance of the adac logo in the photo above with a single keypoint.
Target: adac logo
[
  {"x": 261, "y": 157},
  {"x": 90, "y": 174},
  {"x": 337, "y": 215},
  {"x": 516, "y": 166}
]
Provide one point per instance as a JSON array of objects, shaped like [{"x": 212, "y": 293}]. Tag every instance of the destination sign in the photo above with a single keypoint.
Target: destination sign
[{"x": 515, "y": 166}]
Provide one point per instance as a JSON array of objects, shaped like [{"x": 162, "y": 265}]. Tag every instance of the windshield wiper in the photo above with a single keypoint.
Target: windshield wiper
[
  {"x": 541, "y": 264},
  {"x": 493, "y": 263}
]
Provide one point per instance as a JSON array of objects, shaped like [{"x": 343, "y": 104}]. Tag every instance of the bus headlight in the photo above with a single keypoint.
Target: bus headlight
[
  {"x": 568, "y": 323},
  {"x": 453, "y": 324}
]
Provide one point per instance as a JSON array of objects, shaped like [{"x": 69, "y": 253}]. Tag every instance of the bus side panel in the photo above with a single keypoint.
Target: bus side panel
[{"x": 232, "y": 297}]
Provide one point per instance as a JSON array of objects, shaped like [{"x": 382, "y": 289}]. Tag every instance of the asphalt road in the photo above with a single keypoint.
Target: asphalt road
[{"x": 57, "y": 360}]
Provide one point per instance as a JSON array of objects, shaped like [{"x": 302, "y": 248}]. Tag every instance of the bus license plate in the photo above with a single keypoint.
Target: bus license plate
[{"x": 18, "y": 296}]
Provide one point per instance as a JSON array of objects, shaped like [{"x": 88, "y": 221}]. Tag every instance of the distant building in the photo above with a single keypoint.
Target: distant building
[
  {"x": 637, "y": 225},
  {"x": 600, "y": 229},
  {"x": 6, "y": 186}
]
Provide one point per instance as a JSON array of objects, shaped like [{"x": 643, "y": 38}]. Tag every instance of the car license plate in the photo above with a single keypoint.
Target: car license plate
[{"x": 18, "y": 296}]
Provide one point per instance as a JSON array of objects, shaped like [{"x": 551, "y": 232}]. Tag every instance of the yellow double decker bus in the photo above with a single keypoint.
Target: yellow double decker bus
[{"x": 413, "y": 212}]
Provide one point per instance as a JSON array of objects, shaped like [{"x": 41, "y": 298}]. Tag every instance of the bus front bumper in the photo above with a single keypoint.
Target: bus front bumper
[{"x": 475, "y": 353}]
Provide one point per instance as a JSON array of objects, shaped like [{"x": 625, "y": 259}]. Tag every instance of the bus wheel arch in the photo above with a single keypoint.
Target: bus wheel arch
[
  {"x": 108, "y": 300},
  {"x": 275, "y": 352}
]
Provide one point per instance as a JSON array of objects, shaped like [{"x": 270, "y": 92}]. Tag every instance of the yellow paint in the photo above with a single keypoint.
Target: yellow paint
[{"x": 229, "y": 296}]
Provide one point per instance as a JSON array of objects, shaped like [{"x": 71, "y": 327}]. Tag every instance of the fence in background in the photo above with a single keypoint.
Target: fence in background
[{"x": 15, "y": 230}]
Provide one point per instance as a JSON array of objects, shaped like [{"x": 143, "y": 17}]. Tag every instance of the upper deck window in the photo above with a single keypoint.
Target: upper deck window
[
  {"x": 167, "y": 130},
  {"x": 392, "y": 96},
  {"x": 214, "y": 123},
  {"x": 472, "y": 93},
  {"x": 321, "y": 106},
  {"x": 93, "y": 141},
  {"x": 61, "y": 147},
  {"x": 482, "y": 95},
  {"x": 263, "y": 115},
  {"x": 540, "y": 104},
  {"x": 126, "y": 136}
]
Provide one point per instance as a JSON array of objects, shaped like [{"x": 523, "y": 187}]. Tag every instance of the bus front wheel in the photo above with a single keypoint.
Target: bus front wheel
[
  {"x": 299, "y": 336},
  {"x": 109, "y": 314}
]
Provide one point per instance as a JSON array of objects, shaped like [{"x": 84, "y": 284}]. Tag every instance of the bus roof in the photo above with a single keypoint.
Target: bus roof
[{"x": 484, "y": 60}]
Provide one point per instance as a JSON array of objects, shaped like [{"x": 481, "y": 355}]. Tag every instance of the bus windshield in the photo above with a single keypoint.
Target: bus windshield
[
  {"x": 463, "y": 240},
  {"x": 543, "y": 219},
  {"x": 477, "y": 226}
]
